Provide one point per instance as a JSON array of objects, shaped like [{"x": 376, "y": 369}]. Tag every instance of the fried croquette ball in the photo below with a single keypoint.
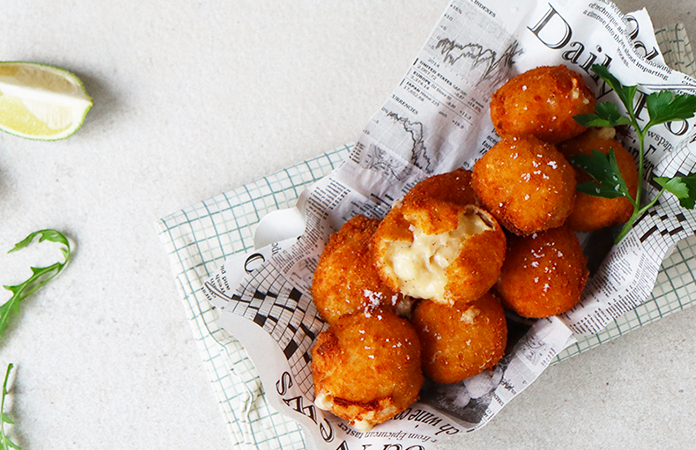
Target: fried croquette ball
[
  {"x": 592, "y": 213},
  {"x": 461, "y": 340},
  {"x": 526, "y": 184},
  {"x": 440, "y": 251},
  {"x": 544, "y": 274},
  {"x": 346, "y": 280},
  {"x": 542, "y": 102},
  {"x": 367, "y": 368},
  {"x": 454, "y": 187}
]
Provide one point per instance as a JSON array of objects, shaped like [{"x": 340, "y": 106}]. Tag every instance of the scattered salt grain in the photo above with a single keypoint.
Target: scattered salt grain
[{"x": 470, "y": 314}]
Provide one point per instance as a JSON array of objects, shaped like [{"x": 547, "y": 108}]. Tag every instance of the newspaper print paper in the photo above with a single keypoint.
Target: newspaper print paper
[{"x": 437, "y": 120}]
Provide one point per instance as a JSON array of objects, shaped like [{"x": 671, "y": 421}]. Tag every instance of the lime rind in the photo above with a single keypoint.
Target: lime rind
[{"x": 78, "y": 100}]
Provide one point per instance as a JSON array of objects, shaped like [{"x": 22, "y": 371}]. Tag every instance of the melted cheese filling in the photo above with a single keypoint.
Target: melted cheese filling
[
  {"x": 420, "y": 266},
  {"x": 323, "y": 401},
  {"x": 605, "y": 132},
  {"x": 362, "y": 425}
]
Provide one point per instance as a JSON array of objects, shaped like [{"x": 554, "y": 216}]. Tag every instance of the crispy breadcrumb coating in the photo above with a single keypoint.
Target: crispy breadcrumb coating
[
  {"x": 346, "y": 280},
  {"x": 526, "y": 184},
  {"x": 592, "y": 213},
  {"x": 461, "y": 340},
  {"x": 454, "y": 187},
  {"x": 544, "y": 274},
  {"x": 542, "y": 102},
  {"x": 367, "y": 368}
]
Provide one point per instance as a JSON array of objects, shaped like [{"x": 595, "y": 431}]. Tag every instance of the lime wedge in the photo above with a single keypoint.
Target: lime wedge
[{"x": 41, "y": 102}]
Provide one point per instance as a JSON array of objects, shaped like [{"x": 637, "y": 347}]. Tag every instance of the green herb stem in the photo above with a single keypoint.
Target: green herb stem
[
  {"x": 636, "y": 214},
  {"x": 636, "y": 202},
  {"x": 637, "y": 210},
  {"x": 641, "y": 168},
  {"x": 5, "y": 442}
]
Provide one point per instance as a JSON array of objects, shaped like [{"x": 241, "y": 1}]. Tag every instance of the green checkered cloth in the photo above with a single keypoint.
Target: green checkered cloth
[{"x": 199, "y": 238}]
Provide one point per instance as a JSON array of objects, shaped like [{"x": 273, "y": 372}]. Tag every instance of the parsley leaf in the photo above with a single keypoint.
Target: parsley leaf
[
  {"x": 607, "y": 115},
  {"x": 5, "y": 442},
  {"x": 604, "y": 169},
  {"x": 684, "y": 188},
  {"x": 664, "y": 106},
  {"x": 625, "y": 93},
  {"x": 39, "y": 275}
]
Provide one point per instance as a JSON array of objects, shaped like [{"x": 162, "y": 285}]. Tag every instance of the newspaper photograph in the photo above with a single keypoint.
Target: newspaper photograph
[{"x": 436, "y": 120}]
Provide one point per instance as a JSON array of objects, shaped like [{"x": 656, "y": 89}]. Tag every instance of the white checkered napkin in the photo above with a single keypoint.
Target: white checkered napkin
[
  {"x": 676, "y": 49},
  {"x": 200, "y": 237}
]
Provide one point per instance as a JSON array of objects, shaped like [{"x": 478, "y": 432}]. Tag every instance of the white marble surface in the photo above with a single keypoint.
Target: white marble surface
[{"x": 195, "y": 98}]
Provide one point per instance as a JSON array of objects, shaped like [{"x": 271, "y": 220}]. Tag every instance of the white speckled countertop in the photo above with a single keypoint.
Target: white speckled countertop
[{"x": 193, "y": 99}]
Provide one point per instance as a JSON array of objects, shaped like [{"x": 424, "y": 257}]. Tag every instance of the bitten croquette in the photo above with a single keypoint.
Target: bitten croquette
[{"x": 436, "y": 250}]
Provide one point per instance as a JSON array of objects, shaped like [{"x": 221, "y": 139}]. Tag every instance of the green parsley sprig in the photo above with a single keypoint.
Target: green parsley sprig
[
  {"x": 662, "y": 107},
  {"x": 39, "y": 275},
  {"x": 5, "y": 442}
]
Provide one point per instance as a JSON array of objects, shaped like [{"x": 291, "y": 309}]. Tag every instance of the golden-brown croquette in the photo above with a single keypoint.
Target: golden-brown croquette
[
  {"x": 544, "y": 274},
  {"x": 461, "y": 340},
  {"x": 592, "y": 213},
  {"x": 526, "y": 184},
  {"x": 542, "y": 102},
  {"x": 367, "y": 368},
  {"x": 345, "y": 279},
  {"x": 437, "y": 250}
]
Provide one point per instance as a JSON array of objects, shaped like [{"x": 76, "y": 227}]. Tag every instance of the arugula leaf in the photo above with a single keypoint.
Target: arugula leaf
[
  {"x": 664, "y": 106},
  {"x": 5, "y": 442},
  {"x": 684, "y": 188},
  {"x": 40, "y": 275},
  {"x": 625, "y": 93},
  {"x": 604, "y": 170},
  {"x": 607, "y": 115}
]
